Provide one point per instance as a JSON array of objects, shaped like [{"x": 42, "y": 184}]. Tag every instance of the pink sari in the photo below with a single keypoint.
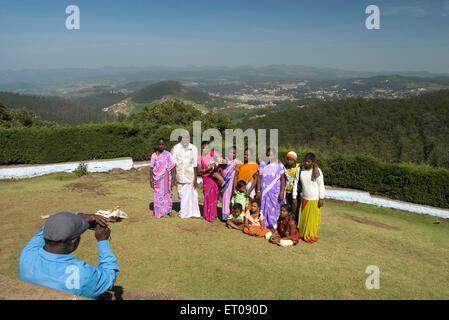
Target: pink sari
[
  {"x": 163, "y": 197},
  {"x": 210, "y": 188}
]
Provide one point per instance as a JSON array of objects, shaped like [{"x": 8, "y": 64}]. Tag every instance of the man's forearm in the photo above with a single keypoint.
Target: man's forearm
[{"x": 106, "y": 259}]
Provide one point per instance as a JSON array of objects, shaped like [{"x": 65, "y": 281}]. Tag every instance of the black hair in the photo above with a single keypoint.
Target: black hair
[
  {"x": 272, "y": 150},
  {"x": 286, "y": 206},
  {"x": 249, "y": 149},
  {"x": 240, "y": 184},
  {"x": 237, "y": 206},
  {"x": 310, "y": 156},
  {"x": 204, "y": 143},
  {"x": 256, "y": 201},
  {"x": 161, "y": 139}
]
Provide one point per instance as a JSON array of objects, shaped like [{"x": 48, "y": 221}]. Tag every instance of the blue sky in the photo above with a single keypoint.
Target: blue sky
[{"x": 414, "y": 35}]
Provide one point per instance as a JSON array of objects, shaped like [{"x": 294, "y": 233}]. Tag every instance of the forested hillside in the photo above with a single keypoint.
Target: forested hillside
[
  {"x": 175, "y": 89},
  {"x": 102, "y": 99},
  {"x": 10, "y": 118},
  {"x": 396, "y": 130},
  {"x": 60, "y": 110}
]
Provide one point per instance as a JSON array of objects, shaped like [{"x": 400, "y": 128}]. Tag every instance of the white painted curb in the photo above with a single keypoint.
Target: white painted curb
[
  {"x": 22, "y": 172},
  {"x": 365, "y": 197}
]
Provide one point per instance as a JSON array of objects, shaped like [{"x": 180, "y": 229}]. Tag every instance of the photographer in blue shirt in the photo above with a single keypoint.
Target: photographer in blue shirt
[{"x": 46, "y": 260}]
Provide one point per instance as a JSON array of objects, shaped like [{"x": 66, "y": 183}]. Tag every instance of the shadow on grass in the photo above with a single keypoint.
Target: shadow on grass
[
  {"x": 177, "y": 207},
  {"x": 116, "y": 293}
]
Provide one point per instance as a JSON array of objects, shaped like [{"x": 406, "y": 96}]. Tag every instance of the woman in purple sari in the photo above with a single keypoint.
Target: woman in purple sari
[
  {"x": 211, "y": 185},
  {"x": 274, "y": 179},
  {"x": 228, "y": 175},
  {"x": 161, "y": 175}
]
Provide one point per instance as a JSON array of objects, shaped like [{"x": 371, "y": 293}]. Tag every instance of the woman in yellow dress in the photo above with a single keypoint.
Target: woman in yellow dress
[{"x": 312, "y": 192}]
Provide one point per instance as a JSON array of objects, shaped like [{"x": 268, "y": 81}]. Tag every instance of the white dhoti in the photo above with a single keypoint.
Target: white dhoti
[
  {"x": 253, "y": 193},
  {"x": 188, "y": 197}
]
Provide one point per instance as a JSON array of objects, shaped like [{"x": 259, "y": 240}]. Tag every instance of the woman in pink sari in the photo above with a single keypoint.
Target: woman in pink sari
[
  {"x": 161, "y": 175},
  {"x": 228, "y": 176},
  {"x": 207, "y": 162}
]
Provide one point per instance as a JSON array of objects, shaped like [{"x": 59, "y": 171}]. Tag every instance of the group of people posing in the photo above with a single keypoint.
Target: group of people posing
[
  {"x": 259, "y": 199},
  {"x": 262, "y": 200}
]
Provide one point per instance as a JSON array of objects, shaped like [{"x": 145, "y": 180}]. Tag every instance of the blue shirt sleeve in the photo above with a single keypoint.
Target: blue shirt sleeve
[
  {"x": 36, "y": 242},
  {"x": 29, "y": 252},
  {"x": 99, "y": 280}
]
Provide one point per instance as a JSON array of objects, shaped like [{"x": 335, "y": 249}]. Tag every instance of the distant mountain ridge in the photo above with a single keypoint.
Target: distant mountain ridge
[{"x": 121, "y": 76}]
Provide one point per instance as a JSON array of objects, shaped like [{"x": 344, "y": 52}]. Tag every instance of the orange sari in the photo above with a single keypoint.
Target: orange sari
[{"x": 246, "y": 172}]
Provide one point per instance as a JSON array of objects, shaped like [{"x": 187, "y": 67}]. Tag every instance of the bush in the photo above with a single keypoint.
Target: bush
[{"x": 81, "y": 170}]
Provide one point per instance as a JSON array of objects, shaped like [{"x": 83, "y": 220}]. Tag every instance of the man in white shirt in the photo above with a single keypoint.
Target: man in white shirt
[
  {"x": 185, "y": 157},
  {"x": 312, "y": 193}
]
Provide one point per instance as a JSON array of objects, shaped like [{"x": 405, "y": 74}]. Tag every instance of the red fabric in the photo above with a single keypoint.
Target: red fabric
[
  {"x": 304, "y": 203},
  {"x": 283, "y": 229}
]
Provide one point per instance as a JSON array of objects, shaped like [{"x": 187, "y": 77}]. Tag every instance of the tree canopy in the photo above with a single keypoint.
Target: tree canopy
[{"x": 395, "y": 130}]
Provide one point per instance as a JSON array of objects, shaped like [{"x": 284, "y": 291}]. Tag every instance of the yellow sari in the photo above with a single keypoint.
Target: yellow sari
[{"x": 310, "y": 220}]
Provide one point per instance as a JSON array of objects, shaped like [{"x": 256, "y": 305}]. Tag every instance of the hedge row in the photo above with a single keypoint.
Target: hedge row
[
  {"x": 84, "y": 142},
  {"x": 407, "y": 182}
]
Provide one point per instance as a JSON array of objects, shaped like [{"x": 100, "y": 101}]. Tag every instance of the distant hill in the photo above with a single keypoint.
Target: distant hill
[
  {"x": 409, "y": 130},
  {"x": 168, "y": 89},
  {"x": 396, "y": 82},
  {"x": 60, "y": 110},
  {"x": 19, "y": 87},
  {"x": 135, "y": 85},
  {"x": 101, "y": 99},
  {"x": 381, "y": 82}
]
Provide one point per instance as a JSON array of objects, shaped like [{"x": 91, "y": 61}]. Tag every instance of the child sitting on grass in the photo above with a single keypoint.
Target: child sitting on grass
[
  {"x": 236, "y": 218},
  {"x": 254, "y": 222},
  {"x": 240, "y": 196},
  {"x": 286, "y": 233}
]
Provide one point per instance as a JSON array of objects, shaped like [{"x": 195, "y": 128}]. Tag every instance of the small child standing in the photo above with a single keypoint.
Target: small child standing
[
  {"x": 286, "y": 233},
  {"x": 240, "y": 196},
  {"x": 236, "y": 218},
  {"x": 254, "y": 222}
]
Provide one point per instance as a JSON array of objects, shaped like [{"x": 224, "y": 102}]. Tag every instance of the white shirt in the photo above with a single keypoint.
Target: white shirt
[
  {"x": 185, "y": 160},
  {"x": 311, "y": 190}
]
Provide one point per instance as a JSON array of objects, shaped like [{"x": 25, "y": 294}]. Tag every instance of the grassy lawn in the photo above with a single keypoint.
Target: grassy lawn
[{"x": 173, "y": 258}]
